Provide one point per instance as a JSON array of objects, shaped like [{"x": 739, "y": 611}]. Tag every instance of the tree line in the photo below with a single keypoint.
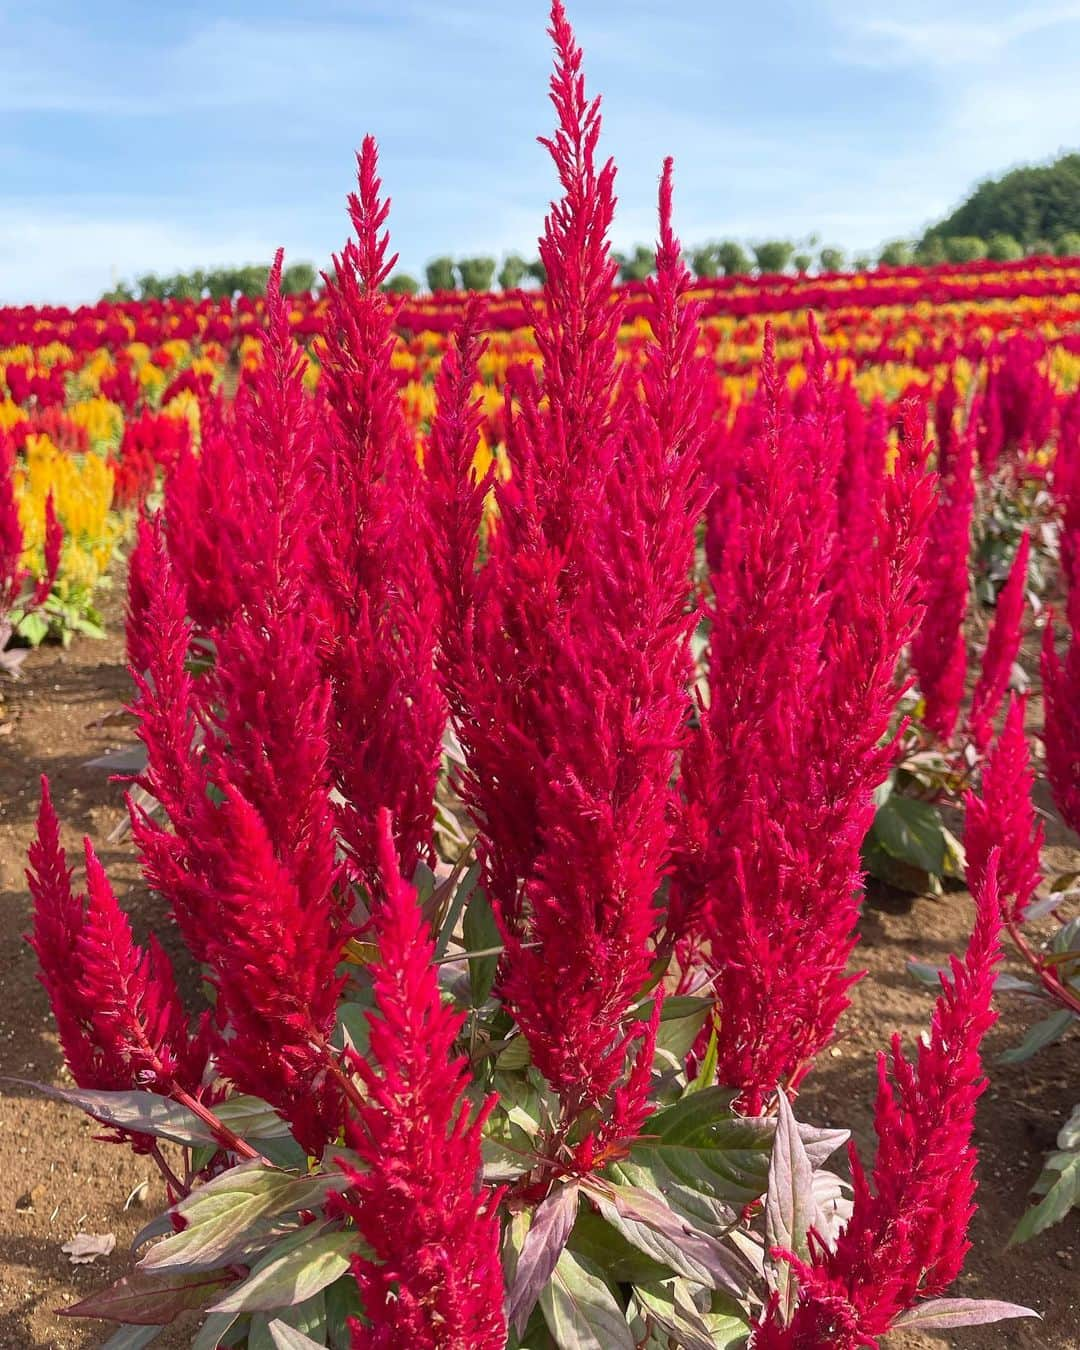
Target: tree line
[{"x": 1029, "y": 211}]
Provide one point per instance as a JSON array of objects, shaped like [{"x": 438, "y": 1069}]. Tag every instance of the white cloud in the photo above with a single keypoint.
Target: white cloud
[
  {"x": 969, "y": 35},
  {"x": 57, "y": 256}
]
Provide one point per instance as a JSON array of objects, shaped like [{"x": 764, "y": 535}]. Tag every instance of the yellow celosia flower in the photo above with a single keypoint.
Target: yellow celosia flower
[{"x": 102, "y": 419}]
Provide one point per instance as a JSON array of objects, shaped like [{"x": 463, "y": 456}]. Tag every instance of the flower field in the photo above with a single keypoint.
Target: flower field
[{"x": 566, "y": 735}]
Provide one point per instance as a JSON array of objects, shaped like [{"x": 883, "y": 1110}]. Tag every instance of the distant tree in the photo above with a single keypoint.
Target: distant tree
[
  {"x": 219, "y": 283},
  {"x": 638, "y": 265},
  {"x": 537, "y": 271},
  {"x": 930, "y": 251},
  {"x": 440, "y": 274},
  {"x": 862, "y": 262},
  {"x": 1004, "y": 248},
  {"x": 733, "y": 258},
  {"x": 151, "y": 286},
  {"x": 965, "y": 248},
  {"x": 120, "y": 294},
  {"x": 476, "y": 274},
  {"x": 831, "y": 259},
  {"x": 1031, "y": 203},
  {"x": 402, "y": 284},
  {"x": 1067, "y": 245},
  {"x": 298, "y": 277},
  {"x": 802, "y": 262},
  {"x": 773, "y": 255},
  {"x": 705, "y": 260},
  {"x": 512, "y": 272},
  {"x": 251, "y": 281},
  {"x": 1039, "y": 248},
  {"x": 897, "y": 253}
]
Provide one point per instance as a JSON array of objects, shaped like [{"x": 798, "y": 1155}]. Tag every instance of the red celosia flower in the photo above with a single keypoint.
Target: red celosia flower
[
  {"x": 1001, "y": 648},
  {"x": 54, "y": 540},
  {"x": 11, "y": 535},
  {"x": 906, "y": 1239},
  {"x": 778, "y": 780},
  {"x": 1002, "y": 819},
  {"x": 251, "y": 878},
  {"x": 938, "y": 651},
  {"x": 576, "y": 680},
  {"x": 433, "y": 1279},
  {"x": 1061, "y": 720},
  {"x": 455, "y": 497},
  {"x": 119, "y": 1016},
  {"x": 380, "y": 609},
  {"x": 239, "y": 759}
]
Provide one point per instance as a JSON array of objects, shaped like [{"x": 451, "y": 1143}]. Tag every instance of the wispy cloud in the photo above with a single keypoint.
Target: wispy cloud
[{"x": 968, "y": 35}]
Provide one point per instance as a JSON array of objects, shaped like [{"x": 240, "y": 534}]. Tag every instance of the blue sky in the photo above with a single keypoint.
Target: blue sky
[{"x": 164, "y": 136}]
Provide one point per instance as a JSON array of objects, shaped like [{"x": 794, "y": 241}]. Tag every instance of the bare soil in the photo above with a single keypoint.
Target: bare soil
[{"x": 56, "y": 1181}]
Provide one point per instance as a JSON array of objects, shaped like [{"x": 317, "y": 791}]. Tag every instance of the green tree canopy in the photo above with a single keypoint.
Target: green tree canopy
[
  {"x": 773, "y": 255},
  {"x": 638, "y": 265},
  {"x": 733, "y": 258},
  {"x": 1031, "y": 203},
  {"x": 477, "y": 274},
  {"x": 513, "y": 271},
  {"x": 440, "y": 274},
  {"x": 897, "y": 253},
  {"x": 402, "y": 284}
]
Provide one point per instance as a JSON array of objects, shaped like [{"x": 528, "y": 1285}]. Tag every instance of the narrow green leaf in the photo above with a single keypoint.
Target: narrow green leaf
[
  {"x": 481, "y": 933},
  {"x": 581, "y": 1309},
  {"x": 1062, "y": 1196},
  {"x": 911, "y": 831},
  {"x": 151, "y": 1300},
  {"x": 282, "y": 1279},
  {"x": 221, "y": 1213},
  {"x": 789, "y": 1203},
  {"x": 1042, "y": 1034}
]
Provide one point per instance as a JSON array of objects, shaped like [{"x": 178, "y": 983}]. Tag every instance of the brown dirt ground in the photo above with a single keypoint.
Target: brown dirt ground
[{"x": 56, "y": 1181}]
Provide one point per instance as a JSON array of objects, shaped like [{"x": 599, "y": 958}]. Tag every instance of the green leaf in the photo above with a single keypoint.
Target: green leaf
[
  {"x": 789, "y": 1203},
  {"x": 281, "y": 1279},
  {"x": 940, "y": 1314},
  {"x": 609, "y": 1252},
  {"x": 900, "y": 875},
  {"x": 1062, "y": 1196},
  {"x": 306, "y": 1319},
  {"x": 911, "y": 832},
  {"x": 680, "y": 1028},
  {"x": 251, "y": 1118},
  {"x": 581, "y": 1309},
  {"x": 285, "y": 1337},
  {"x": 671, "y": 1306},
  {"x": 645, "y": 1219},
  {"x": 142, "y": 1112},
  {"x": 225, "y": 1213},
  {"x": 514, "y": 1055},
  {"x": 151, "y": 1300},
  {"x": 463, "y": 889},
  {"x": 705, "y": 1161},
  {"x": 342, "y": 1303},
  {"x": 543, "y": 1245},
  {"x": 481, "y": 932},
  {"x": 34, "y": 628},
  {"x": 707, "y": 1067},
  {"x": 353, "y": 1027},
  {"x": 1042, "y": 1034}
]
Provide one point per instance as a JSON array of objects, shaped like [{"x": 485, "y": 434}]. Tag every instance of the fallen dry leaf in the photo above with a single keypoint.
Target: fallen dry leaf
[{"x": 87, "y": 1247}]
